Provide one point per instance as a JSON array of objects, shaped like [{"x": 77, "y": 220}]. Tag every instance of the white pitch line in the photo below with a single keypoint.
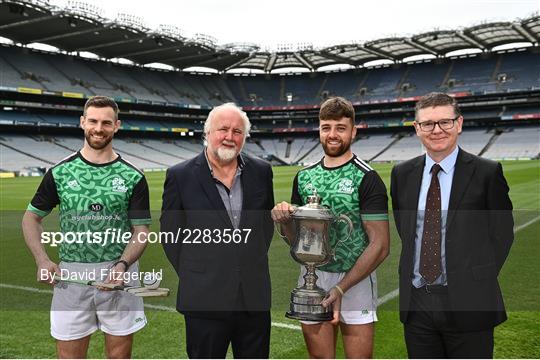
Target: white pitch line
[
  {"x": 149, "y": 306},
  {"x": 394, "y": 293},
  {"x": 286, "y": 326},
  {"x": 26, "y": 288},
  {"x": 523, "y": 226},
  {"x": 383, "y": 299}
]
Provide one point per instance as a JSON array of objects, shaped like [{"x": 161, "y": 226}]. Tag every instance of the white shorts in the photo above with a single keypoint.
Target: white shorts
[
  {"x": 79, "y": 310},
  {"x": 358, "y": 305}
]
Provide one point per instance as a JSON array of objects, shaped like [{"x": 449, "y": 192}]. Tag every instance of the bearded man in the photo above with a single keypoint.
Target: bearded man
[
  {"x": 347, "y": 185},
  {"x": 218, "y": 205},
  {"x": 96, "y": 191}
]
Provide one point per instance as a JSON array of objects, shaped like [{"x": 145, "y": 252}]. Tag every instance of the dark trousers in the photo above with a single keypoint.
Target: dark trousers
[
  {"x": 431, "y": 333},
  {"x": 248, "y": 332}
]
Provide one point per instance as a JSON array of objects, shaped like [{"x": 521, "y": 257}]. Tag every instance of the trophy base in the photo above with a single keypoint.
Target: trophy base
[
  {"x": 306, "y": 305},
  {"x": 309, "y": 317}
]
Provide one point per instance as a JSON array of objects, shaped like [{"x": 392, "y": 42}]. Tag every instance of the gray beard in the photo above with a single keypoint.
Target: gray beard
[{"x": 225, "y": 155}]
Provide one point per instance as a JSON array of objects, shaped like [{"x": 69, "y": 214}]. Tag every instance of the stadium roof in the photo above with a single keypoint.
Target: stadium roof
[{"x": 79, "y": 27}]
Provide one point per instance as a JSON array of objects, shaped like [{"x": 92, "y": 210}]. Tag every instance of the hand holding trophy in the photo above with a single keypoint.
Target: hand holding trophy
[{"x": 310, "y": 247}]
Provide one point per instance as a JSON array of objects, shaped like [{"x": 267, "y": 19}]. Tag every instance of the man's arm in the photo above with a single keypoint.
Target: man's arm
[
  {"x": 378, "y": 233},
  {"x": 171, "y": 217},
  {"x": 268, "y": 223},
  {"x": 394, "y": 195},
  {"x": 374, "y": 215},
  {"x": 132, "y": 253},
  {"x": 44, "y": 200},
  {"x": 32, "y": 229},
  {"x": 140, "y": 218},
  {"x": 501, "y": 221}
]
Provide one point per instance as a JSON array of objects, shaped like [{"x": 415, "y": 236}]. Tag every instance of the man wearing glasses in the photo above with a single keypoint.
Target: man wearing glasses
[{"x": 454, "y": 218}]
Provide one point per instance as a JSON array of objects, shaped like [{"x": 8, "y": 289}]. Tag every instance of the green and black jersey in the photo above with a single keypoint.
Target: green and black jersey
[
  {"x": 105, "y": 199},
  {"x": 353, "y": 189}
]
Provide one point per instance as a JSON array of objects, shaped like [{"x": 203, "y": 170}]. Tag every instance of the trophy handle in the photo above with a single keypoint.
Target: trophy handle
[
  {"x": 343, "y": 218},
  {"x": 277, "y": 226}
]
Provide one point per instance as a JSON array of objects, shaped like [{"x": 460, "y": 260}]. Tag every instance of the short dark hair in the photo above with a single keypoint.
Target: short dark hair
[
  {"x": 336, "y": 108},
  {"x": 435, "y": 99},
  {"x": 101, "y": 102}
]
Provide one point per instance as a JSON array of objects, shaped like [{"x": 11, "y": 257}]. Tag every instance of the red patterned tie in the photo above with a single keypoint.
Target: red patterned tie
[{"x": 430, "y": 256}]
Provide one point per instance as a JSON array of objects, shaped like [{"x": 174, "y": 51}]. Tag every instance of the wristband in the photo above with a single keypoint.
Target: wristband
[
  {"x": 338, "y": 288},
  {"x": 123, "y": 262}
]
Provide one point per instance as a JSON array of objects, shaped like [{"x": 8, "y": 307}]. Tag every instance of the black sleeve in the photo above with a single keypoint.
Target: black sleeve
[
  {"x": 269, "y": 223},
  {"x": 171, "y": 217},
  {"x": 395, "y": 202},
  {"x": 139, "y": 204},
  {"x": 295, "y": 195},
  {"x": 46, "y": 197},
  {"x": 501, "y": 221},
  {"x": 373, "y": 198}
]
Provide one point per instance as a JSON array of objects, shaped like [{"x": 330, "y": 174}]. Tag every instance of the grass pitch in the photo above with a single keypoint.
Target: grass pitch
[{"x": 24, "y": 304}]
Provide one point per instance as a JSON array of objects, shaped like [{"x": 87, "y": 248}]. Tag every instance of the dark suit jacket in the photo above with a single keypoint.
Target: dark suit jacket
[
  {"x": 479, "y": 233},
  {"x": 210, "y": 275}
]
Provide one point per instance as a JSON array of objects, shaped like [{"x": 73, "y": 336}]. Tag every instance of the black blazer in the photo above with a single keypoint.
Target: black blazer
[
  {"x": 479, "y": 234},
  {"x": 210, "y": 275}
]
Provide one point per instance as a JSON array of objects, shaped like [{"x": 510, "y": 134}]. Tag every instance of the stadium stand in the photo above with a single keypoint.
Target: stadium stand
[
  {"x": 516, "y": 143},
  {"x": 162, "y": 111},
  {"x": 421, "y": 79},
  {"x": 14, "y": 160},
  {"x": 368, "y": 147},
  {"x": 519, "y": 70},
  {"x": 22, "y": 151},
  {"x": 483, "y": 73},
  {"x": 474, "y": 141},
  {"x": 406, "y": 147},
  {"x": 472, "y": 74},
  {"x": 33, "y": 151}
]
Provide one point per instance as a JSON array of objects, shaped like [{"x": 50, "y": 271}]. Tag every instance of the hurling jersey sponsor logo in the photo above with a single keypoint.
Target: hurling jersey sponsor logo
[
  {"x": 118, "y": 185},
  {"x": 95, "y": 207},
  {"x": 345, "y": 186}
]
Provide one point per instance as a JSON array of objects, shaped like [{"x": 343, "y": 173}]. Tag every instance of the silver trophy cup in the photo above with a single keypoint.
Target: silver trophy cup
[{"x": 311, "y": 248}]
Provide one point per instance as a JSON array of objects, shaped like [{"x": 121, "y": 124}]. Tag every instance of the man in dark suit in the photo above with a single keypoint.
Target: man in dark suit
[
  {"x": 219, "y": 203},
  {"x": 454, "y": 218}
]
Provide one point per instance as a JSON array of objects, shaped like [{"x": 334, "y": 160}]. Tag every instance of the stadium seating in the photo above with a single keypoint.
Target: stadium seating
[
  {"x": 12, "y": 160},
  {"x": 473, "y": 140},
  {"x": 483, "y": 73},
  {"x": 405, "y": 148},
  {"x": 515, "y": 70},
  {"x": 517, "y": 143},
  {"x": 420, "y": 79},
  {"x": 367, "y": 147},
  {"x": 521, "y": 69}
]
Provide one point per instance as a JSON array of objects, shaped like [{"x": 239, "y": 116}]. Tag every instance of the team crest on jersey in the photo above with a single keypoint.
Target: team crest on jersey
[
  {"x": 309, "y": 188},
  {"x": 118, "y": 185},
  {"x": 73, "y": 184},
  {"x": 345, "y": 186}
]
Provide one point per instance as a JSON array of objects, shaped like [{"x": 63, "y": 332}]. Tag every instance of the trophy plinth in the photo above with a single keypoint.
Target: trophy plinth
[
  {"x": 311, "y": 248},
  {"x": 306, "y": 300}
]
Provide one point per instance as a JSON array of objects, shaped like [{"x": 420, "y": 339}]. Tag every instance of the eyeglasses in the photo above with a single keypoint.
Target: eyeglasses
[{"x": 444, "y": 124}]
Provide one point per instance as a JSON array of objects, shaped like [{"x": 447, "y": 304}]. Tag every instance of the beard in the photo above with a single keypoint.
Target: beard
[
  {"x": 336, "y": 152},
  {"x": 97, "y": 144},
  {"x": 225, "y": 155}
]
